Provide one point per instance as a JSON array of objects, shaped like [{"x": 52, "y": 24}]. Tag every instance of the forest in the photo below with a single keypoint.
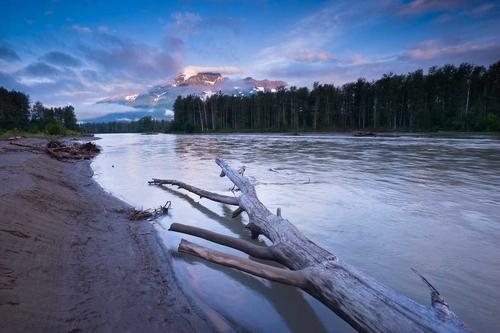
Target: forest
[
  {"x": 17, "y": 114},
  {"x": 447, "y": 98},
  {"x": 142, "y": 125}
]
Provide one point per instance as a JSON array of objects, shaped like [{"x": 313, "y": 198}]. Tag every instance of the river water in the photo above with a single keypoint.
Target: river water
[{"x": 384, "y": 205}]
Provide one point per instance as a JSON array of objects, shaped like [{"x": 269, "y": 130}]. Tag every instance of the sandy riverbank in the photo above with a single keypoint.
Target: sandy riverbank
[{"x": 71, "y": 261}]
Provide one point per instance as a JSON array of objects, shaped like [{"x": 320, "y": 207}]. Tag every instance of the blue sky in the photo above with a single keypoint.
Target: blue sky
[{"x": 78, "y": 52}]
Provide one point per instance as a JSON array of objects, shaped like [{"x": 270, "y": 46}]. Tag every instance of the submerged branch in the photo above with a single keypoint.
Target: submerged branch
[
  {"x": 256, "y": 251},
  {"x": 285, "y": 276}
]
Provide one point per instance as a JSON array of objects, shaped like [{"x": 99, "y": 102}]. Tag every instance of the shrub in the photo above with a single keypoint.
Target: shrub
[{"x": 55, "y": 129}]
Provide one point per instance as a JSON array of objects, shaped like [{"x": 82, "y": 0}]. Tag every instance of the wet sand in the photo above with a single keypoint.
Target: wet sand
[{"x": 71, "y": 261}]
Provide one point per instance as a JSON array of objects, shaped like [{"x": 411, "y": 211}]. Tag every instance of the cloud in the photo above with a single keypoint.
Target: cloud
[
  {"x": 78, "y": 28},
  {"x": 480, "y": 11},
  {"x": 61, "y": 59},
  {"x": 225, "y": 70},
  {"x": 306, "y": 55},
  {"x": 304, "y": 74},
  {"x": 39, "y": 70},
  {"x": 8, "y": 54},
  {"x": 431, "y": 6},
  {"x": 112, "y": 65},
  {"x": 304, "y": 44},
  {"x": 92, "y": 67},
  {"x": 92, "y": 110},
  {"x": 185, "y": 23},
  {"x": 443, "y": 18},
  {"x": 8, "y": 81},
  {"x": 192, "y": 23},
  {"x": 432, "y": 49},
  {"x": 134, "y": 61},
  {"x": 173, "y": 43},
  {"x": 48, "y": 12},
  {"x": 169, "y": 112},
  {"x": 103, "y": 28},
  {"x": 356, "y": 60}
]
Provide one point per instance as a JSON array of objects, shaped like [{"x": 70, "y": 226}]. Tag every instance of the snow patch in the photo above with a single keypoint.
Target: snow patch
[
  {"x": 128, "y": 120},
  {"x": 210, "y": 82},
  {"x": 158, "y": 96},
  {"x": 131, "y": 97},
  {"x": 188, "y": 73},
  {"x": 208, "y": 93}
]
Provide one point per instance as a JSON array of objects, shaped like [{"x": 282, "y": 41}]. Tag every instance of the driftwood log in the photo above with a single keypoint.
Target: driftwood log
[
  {"x": 62, "y": 151},
  {"x": 366, "y": 304}
]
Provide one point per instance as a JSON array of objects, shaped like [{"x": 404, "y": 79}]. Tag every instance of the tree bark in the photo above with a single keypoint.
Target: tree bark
[{"x": 366, "y": 304}]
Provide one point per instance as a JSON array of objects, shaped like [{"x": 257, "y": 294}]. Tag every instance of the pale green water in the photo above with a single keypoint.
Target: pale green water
[{"x": 381, "y": 204}]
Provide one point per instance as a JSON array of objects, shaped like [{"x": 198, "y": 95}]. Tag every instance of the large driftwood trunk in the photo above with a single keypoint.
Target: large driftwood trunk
[{"x": 366, "y": 304}]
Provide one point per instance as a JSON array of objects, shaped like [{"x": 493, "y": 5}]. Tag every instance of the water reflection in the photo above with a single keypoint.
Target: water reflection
[
  {"x": 381, "y": 204},
  {"x": 286, "y": 300}
]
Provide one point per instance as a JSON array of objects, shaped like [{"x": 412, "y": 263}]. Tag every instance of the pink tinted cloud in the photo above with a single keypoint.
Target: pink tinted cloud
[
  {"x": 356, "y": 60},
  {"x": 432, "y": 48}
]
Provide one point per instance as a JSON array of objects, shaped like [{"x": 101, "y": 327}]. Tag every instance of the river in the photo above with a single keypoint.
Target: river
[{"x": 384, "y": 205}]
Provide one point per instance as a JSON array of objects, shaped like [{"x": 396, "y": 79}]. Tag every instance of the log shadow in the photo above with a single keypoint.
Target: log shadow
[
  {"x": 235, "y": 225},
  {"x": 288, "y": 301}
]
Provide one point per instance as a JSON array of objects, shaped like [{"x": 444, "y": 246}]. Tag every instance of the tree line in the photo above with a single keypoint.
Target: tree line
[
  {"x": 143, "y": 125},
  {"x": 463, "y": 98},
  {"x": 17, "y": 113}
]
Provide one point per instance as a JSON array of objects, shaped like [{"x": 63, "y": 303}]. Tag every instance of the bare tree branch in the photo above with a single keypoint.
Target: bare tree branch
[
  {"x": 292, "y": 278},
  {"x": 202, "y": 193},
  {"x": 256, "y": 251}
]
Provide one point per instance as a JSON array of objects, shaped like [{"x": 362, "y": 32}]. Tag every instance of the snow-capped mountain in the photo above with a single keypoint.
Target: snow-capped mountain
[
  {"x": 198, "y": 79},
  {"x": 157, "y": 100}
]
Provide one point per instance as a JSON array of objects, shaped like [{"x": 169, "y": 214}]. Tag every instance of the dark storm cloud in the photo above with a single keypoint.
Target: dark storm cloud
[{"x": 61, "y": 59}]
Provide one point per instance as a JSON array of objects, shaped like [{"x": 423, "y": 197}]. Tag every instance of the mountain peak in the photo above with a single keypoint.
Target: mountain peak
[
  {"x": 198, "y": 79},
  {"x": 265, "y": 84},
  {"x": 158, "y": 100}
]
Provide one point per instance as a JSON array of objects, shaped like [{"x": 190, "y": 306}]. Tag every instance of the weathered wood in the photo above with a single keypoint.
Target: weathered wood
[
  {"x": 285, "y": 276},
  {"x": 26, "y": 145},
  {"x": 256, "y": 251},
  {"x": 366, "y": 304},
  {"x": 202, "y": 193}
]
